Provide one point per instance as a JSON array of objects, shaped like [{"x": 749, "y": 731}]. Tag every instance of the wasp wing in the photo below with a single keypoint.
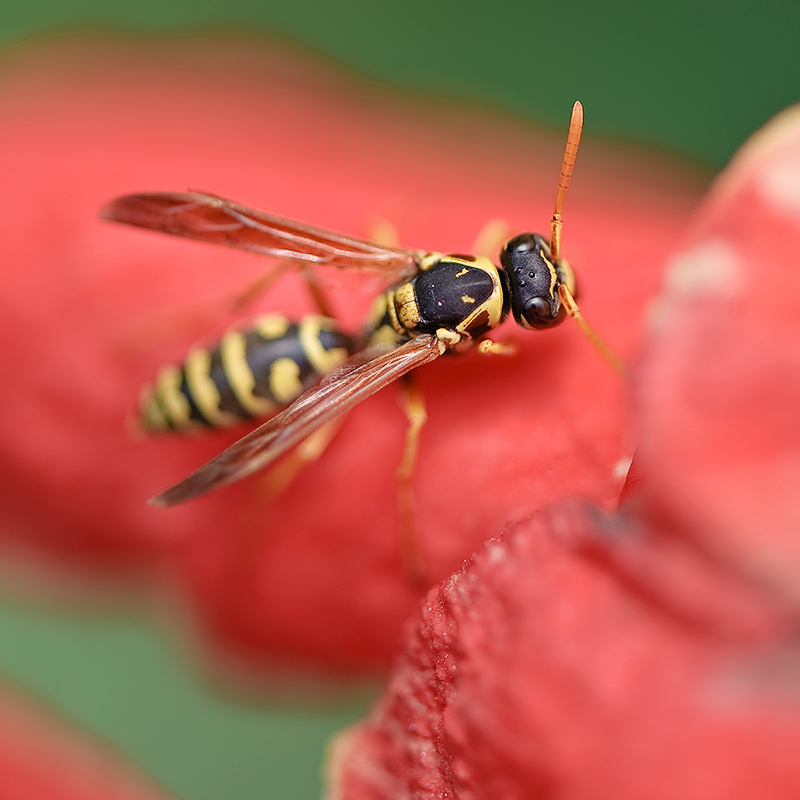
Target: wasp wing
[
  {"x": 338, "y": 392},
  {"x": 215, "y": 220}
]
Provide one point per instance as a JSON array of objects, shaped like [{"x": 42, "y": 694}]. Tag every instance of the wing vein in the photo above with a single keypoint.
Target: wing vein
[{"x": 337, "y": 394}]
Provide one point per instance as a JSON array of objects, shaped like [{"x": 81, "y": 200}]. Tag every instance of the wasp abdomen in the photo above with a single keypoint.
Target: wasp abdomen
[{"x": 250, "y": 373}]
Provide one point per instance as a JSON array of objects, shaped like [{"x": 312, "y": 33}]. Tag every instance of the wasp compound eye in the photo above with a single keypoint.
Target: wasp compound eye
[
  {"x": 533, "y": 280},
  {"x": 539, "y": 313}
]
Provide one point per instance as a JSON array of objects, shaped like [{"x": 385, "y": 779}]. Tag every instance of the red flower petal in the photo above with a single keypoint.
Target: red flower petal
[
  {"x": 580, "y": 660},
  {"x": 92, "y": 311},
  {"x": 41, "y": 757},
  {"x": 721, "y": 385},
  {"x": 636, "y": 656}
]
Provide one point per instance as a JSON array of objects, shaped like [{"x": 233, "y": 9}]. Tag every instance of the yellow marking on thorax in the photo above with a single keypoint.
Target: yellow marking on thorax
[
  {"x": 465, "y": 298},
  {"x": 176, "y": 405},
  {"x": 405, "y": 307},
  {"x": 462, "y": 273},
  {"x": 271, "y": 326},
  {"x": 204, "y": 391},
  {"x": 322, "y": 360},
  {"x": 429, "y": 259},
  {"x": 490, "y": 312},
  {"x": 239, "y": 374},
  {"x": 284, "y": 380}
]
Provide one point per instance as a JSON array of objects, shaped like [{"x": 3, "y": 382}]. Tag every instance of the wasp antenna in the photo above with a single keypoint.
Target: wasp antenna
[
  {"x": 591, "y": 334},
  {"x": 567, "y": 165}
]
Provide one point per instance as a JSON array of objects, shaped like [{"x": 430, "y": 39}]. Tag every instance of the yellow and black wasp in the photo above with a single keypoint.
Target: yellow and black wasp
[{"x": 436, "y": 304}]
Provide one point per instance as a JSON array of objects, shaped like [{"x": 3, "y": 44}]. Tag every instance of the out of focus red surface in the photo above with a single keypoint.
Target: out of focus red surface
[
  {"x": 44, "y": 757},
  {"x": 90, "y": 311},
  {"x": 721, "y": 385},
  {"x": 651, "y": 653}
]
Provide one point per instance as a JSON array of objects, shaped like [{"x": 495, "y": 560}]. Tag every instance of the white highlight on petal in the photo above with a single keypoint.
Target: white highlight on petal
[
  {"x": 779, "y": 185},
  {"x": 711, "y": 267}
]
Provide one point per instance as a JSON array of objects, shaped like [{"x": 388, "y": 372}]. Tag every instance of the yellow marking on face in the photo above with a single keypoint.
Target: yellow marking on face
[
  {"x": 284, "y": 380},
  {"x": 569, "y": 275},
  {"x": 462, "y": 273},
  {"x": 239, "y": 374},
  {"x": 465, "y": 298},
  {"x": 553, "y": 276},
  {"x": 271, "y": 326},
  {"x": 151, "y": 415},
  {"x": 322, "y": 360},
  {"x": 203, "y": 389},
  {"x": 174, "y": 401}
]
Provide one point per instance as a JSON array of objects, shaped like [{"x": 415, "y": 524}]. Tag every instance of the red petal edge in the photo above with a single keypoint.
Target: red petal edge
[{"x": 653, "y": 653}]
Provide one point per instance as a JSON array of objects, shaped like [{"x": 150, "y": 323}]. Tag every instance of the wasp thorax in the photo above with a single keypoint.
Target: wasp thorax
[{"x": 533, "y": 281}]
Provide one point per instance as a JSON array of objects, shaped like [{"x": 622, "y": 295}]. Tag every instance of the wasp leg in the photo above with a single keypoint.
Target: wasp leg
[
  {"x": 574, "y": 311},
  {"x": 383, "y": 232},
  {"x": 282, "y": 475},
  {"x": 254, "y": 526},
  {"x": 159, "y": 327},
  {"x": 488, "y": 242},
  {"x": 486, "y": 347},
  {"x": 244, "y": 297},
  {"x": 318, "y": 296},
  {"x": 410, "y": 541},
  {"x": 250, "y": 293},
  {"x": 491, "y": 237}
]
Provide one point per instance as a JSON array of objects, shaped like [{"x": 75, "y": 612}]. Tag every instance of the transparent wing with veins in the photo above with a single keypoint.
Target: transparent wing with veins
[
  {"x": 338, "y": 393},
  {"x": 215, "y": 220}
]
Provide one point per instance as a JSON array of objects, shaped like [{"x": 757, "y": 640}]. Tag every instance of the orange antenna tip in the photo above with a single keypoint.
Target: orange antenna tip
[{"x": 567, "y": 165}]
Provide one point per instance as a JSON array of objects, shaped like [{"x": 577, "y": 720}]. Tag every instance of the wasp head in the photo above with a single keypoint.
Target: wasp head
[{"x": 534, "y": 280}]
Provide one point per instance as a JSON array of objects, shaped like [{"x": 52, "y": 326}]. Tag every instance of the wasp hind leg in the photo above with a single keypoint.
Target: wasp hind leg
[
  {"x": 159, "y": 327},
  {"x": 255, "y": 526},
  {"x": 280, "y": 477},
  {"x": 410, "y": 542}
]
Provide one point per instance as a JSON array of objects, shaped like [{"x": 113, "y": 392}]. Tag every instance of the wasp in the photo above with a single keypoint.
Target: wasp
[
  {"x": 251, "y": 373},
  {"x": 436, "y": 304}
]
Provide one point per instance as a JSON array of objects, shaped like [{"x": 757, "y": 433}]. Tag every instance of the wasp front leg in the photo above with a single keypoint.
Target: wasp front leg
[
  {"x": 491, "y": 238},
  {"x": 487, "y": 347}
]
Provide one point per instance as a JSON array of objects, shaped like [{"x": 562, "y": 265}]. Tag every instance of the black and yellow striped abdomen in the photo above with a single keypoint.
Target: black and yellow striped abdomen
[{"x": 251, "y": 373}]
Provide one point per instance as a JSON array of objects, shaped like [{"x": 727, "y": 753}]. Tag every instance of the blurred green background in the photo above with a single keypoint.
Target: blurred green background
[
  {"x": 695, "y": 77},
  {"x": 692, "y": 78}
]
